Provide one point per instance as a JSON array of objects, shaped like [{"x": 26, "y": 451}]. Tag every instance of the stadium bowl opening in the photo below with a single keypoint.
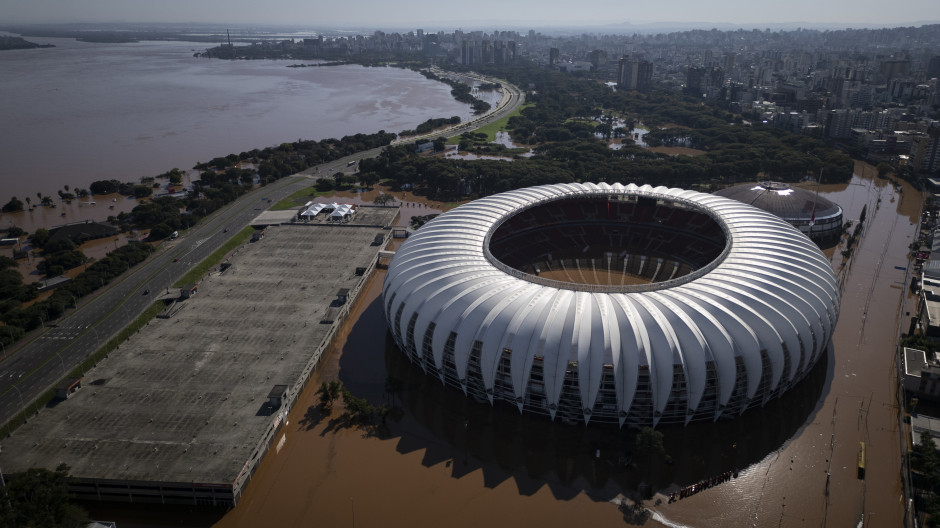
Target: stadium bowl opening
[{"x": 608, "y": 242}]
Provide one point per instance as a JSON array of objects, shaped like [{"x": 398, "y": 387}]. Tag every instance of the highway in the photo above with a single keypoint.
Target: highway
[{"x": 38, "y": 365}]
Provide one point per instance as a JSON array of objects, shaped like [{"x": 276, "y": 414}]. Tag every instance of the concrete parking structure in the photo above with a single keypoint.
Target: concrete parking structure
[{"x": 181, "y": 412}]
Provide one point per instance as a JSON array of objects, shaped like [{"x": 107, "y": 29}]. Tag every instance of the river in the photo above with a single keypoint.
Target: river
[{"x": 81, "y": 112}]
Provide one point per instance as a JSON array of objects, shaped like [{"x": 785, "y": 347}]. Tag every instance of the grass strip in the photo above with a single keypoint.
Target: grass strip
[
  {"x": 298, "y": 198},
  {"x": 490, "y": 129}
]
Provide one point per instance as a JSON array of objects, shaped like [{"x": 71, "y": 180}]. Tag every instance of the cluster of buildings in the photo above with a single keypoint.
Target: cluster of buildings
[{"x": 874, "y": 91}]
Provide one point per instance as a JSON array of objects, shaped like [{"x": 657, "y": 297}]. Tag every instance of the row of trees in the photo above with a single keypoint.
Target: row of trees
[
  {"x": 358, "y": 410},
  {"x": 18, "y": 319},
  {"x": 460, "y": 91},
  {"x": 430, "y": 125},
  {"x": 221, "y": 182}
]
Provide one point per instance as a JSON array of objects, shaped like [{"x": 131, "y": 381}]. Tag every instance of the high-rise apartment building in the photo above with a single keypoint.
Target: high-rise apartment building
[{"x": 634, "y": 75}]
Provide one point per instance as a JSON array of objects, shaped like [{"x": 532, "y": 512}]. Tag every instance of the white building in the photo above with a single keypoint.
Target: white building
[{"x": 709, "y": 306}]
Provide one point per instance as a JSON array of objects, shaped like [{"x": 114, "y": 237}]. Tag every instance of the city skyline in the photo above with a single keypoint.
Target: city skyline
[{"x": 605, "y": 14}]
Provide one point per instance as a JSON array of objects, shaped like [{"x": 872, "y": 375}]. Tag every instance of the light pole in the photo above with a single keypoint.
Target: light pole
[{"x": 22, "y": 403}]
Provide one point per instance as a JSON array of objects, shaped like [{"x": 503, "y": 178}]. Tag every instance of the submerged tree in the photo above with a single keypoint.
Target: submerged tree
[{"x": 328, "y": 392}]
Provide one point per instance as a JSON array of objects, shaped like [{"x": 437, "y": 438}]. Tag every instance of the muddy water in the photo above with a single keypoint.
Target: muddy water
[
  {"x": 789, "y": 485},
  {"x": 89, "y": 111},
  {"x": 442, "y": 459},
  {"x": 67, "y": 213}
]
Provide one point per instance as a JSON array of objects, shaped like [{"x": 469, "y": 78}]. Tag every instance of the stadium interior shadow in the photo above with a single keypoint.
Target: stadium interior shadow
[{"x": 534, "y": 452}]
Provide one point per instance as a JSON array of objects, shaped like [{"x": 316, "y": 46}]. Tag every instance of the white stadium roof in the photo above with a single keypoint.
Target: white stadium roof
[{"x": 728, "y": 336}]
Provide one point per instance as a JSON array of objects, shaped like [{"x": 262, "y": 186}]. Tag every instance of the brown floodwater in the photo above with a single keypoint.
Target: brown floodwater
[
  {"x": 440, "y": 458},
  {"x": 79, "y": 210},
  {"x": 91, "y": 111}
]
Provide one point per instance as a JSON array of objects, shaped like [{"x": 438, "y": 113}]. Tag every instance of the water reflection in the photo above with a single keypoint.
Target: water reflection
[{"x": 535, "y": 452}]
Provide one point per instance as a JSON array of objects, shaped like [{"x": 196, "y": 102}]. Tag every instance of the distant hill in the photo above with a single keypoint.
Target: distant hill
[{"x": 11, "y": 43}]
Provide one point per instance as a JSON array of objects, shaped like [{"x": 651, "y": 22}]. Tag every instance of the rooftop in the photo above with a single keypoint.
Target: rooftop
[
  {"x": 185, "y": 399},
  {"x": 789, "y": 203}
]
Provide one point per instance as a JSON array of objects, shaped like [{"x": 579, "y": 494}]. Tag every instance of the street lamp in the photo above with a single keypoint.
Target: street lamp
[{"x": 22, "y": 403}]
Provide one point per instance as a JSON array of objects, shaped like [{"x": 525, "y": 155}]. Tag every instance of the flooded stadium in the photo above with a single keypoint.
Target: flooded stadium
[{"x": 438, "y": 457}]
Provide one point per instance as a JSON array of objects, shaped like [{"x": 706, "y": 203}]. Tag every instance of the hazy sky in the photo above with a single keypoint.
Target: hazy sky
[{"x": 452, "y": 14}]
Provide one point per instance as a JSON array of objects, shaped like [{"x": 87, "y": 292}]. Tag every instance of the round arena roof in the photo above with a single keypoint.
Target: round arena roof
[
  {"x": 751, "y": 313},
  {"x": 789, "y": 203}
]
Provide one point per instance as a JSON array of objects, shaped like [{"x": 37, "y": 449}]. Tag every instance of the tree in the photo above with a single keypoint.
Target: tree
[
  {"x": 884, "y": 169},
  {"x": 13, "y": 205},
  {"x": 649, "y": 446},
  {"x": 40, "y": 237},
  {"x": 925, "y": 459},
  {"x": 369, "y": 178},
  {"x": 39, "y": 497},
  {"x": 649, "y": 442},
  {"x": 324, "y": 185},
  {"x": 329, "y": 392},
  {"x": 383, "y": 199},
  {"x": 142, "y": 191},
  {"x": 160, "y": 231}
]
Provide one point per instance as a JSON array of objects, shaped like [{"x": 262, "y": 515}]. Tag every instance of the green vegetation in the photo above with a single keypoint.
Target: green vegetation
[
  {"x": 461, "y": 92},
  {"x": 925, "y": 463},
  {"x": 359, "y": 410},
  {"x": 12, "y": 43},
  {"x": 567, "y": 114},
  {"x": 59, "y": 256},
  {"x": 221, "y": 183},
  {"x": 490, "y": 129},
  {"x": 298, "y": 198},
  {"x": 18, "y": 319},
  {"x": 39, "y": 497},
  {"x": 12, "y": 206},
  {"x": 215, "y": 258},
  {"x": 328, "y": 393},
  {"x": 430, "y": 125}
]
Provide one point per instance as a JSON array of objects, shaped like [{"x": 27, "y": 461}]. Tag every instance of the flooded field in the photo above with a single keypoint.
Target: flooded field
[{"x": 440, "y": 458}]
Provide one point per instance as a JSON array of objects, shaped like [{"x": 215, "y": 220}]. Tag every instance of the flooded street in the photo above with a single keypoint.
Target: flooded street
[
  {"x": 440, "y": 458},
  {"x": 789, "y": 486}
]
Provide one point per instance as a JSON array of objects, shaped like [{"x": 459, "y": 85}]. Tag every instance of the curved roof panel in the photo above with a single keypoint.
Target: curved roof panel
[{"x": 728, "y": 336}]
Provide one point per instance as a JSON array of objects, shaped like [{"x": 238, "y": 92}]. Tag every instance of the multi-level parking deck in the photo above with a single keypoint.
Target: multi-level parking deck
[{"x": 184, "y": 411}]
